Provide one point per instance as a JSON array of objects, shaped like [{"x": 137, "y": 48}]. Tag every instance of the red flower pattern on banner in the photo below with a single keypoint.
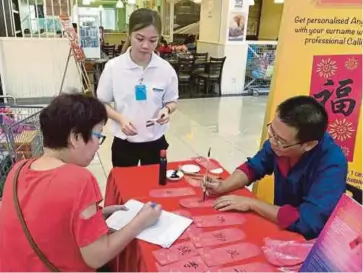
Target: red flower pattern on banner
[
  {"x": 336, "y": 82},
  {"x": 351, "y": 63},
  {"x": 341, "y": 129},
  {"x": 326, "y": 68}
]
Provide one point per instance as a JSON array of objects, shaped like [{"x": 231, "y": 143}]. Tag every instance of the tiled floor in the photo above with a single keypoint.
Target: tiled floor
[{"x": 231, "y": 126}]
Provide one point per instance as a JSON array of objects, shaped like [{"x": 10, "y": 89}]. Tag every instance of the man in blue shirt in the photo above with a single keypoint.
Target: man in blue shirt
[{"x": 309, "y": 170}]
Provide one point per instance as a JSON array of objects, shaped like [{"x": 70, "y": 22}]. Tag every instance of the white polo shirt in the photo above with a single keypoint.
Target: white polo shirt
[{"x": 117, "y": 84}]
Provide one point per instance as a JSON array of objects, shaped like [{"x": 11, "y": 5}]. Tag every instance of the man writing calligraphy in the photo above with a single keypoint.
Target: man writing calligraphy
[{"x": 309, "y": 170}]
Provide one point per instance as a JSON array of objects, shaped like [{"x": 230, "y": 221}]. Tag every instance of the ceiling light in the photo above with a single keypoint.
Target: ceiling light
[
  {"x": 251, "y": 2},
  {"x": 278, "y": 1},
  {"x": 119, "y": 4}
]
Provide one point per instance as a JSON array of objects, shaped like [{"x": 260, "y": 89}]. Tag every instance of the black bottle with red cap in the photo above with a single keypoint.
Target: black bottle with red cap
[{"x": 162, "y": 168}]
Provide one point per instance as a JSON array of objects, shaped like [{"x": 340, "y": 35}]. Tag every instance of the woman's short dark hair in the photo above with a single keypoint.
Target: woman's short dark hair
[
  {"x": 69, "y": 113},
  {"x": 306, "y": 115}
]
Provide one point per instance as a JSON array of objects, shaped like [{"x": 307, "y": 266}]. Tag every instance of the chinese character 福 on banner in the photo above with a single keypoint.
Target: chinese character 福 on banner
[{"x": 336, "y": 82}]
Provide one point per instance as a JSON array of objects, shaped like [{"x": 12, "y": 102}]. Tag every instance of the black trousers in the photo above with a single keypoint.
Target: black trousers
[{"x": 128, "y": 154}]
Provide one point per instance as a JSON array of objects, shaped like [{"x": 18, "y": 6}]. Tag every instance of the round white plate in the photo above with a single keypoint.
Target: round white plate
[
  {"x": 190, "y": 168},
  {"x": 217, "y": 171},
  {"x": 170, "y": 172}
]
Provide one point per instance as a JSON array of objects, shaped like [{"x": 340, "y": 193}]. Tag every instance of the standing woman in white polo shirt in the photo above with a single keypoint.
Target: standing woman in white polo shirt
[{"x": 143, "y": 87}]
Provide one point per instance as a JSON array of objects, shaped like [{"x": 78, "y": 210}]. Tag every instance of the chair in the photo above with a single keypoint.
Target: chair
[
  {"x": 184, "y": 71},
  {"x": 166, "y": 55},
  {"x": 200, "y": 60},
  {"x": 119, "y": 48},
  {"x": 110, "y": 51},
  {"x": 201, "y": 56},
  {"x": 212, "y": 74}
]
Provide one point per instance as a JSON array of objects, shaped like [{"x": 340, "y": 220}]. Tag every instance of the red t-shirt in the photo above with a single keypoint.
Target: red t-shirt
[
  {"x": 165, "y": 49},
  {"x": 51, "y": 202}
]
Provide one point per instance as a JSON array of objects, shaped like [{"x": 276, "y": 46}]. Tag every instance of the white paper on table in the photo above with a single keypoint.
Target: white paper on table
[{"x": 164, "y": 233}]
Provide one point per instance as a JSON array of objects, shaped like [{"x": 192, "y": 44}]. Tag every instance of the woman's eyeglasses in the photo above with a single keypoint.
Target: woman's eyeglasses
[
  {"x": 100, "y": 137},
  {"x": 272, "y": 135}
]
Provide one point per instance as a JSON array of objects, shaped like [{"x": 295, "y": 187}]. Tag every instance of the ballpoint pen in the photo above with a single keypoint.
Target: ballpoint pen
[
  {"x": 151, "y": 122},
  {"x": 206, "y": 176}
]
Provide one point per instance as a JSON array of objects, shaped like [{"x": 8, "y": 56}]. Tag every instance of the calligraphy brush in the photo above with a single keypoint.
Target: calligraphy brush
[{"x": 206, "y": 175}]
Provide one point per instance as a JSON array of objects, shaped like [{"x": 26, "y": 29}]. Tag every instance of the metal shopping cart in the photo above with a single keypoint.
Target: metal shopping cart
[
  {"x": 259, "y": 68},
  {"x": 20, "y": 135}
]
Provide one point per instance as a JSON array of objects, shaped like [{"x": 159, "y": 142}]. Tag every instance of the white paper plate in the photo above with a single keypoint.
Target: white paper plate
[
  {"x": 169, "y": 173},
  {"x": 190, "y": 168},
  {"x": 217, "y": 171}
]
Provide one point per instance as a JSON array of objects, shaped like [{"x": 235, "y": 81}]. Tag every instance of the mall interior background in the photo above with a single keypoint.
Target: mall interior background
[{"x": 43, "y": 54}]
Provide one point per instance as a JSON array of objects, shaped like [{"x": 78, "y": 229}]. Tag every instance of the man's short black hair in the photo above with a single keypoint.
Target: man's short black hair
[
  {"x": 305, "y": 114},
  {"x": 70, "y": 113}
]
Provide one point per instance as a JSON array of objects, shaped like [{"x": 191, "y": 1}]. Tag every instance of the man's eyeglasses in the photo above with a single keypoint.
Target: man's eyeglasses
[
  {"x": 272, "y": 135},
  {"x": 100, "y": 137}
]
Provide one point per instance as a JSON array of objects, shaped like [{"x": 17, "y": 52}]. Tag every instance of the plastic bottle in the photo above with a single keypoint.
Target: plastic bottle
[{"x": 162, "y": 168}]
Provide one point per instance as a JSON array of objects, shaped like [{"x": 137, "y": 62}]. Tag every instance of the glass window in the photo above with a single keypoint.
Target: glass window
[
  {"x": 254, "y": 17},
  {"x": 108, "y": 18}
]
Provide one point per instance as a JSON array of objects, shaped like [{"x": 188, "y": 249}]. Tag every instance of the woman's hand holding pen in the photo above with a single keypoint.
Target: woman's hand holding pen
[
  {"x": 148, "y": 215},
  {"x": 127, "y": 127},
  {"x": 163, "y": 116}
]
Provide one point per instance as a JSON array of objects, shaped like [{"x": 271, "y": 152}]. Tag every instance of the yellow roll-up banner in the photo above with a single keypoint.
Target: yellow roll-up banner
[{"x": 319, "y": 54}]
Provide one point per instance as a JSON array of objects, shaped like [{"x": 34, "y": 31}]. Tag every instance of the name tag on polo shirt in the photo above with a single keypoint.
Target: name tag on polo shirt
[{"x": 140, "y": 92}]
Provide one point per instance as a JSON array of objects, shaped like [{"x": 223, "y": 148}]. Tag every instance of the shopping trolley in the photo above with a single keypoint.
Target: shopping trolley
[
  {"x": 259, "y": 68},
  {"x": 20, "y": 135}
]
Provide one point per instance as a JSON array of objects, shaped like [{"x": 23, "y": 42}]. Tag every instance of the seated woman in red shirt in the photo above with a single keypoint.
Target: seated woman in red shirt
[{"x": 59, "y": 198}]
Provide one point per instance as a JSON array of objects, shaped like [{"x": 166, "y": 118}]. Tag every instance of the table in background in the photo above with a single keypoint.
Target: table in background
[{"x": 136, "y": 182}]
